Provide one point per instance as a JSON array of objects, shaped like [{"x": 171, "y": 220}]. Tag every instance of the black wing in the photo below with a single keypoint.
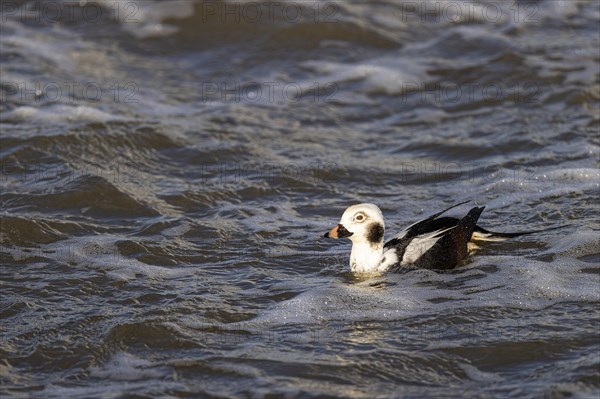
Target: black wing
[
  {"x": 424, "y": 226},
  {"x": 451, "y": 248}
]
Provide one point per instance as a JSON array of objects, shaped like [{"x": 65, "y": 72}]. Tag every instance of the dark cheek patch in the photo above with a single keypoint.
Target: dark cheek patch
[{"x": 375, "y": 234}]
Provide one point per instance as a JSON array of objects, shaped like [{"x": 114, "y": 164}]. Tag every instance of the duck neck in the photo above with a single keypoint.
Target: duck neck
[{"x": 366, "y": 256}]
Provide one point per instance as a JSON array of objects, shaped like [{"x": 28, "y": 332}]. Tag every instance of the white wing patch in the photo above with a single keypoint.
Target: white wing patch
[
  {"x": 430, "y": 218},
  {"x": 421, "y": 244}
]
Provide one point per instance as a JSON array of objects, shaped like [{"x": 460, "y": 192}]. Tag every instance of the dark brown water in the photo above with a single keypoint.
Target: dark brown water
[{"x": 169, "y": 167}]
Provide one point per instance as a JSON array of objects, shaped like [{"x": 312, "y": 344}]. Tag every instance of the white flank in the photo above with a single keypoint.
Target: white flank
[{"x": 389, "y": 259}]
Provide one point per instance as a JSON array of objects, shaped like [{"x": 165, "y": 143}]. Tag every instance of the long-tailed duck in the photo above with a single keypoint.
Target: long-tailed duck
[{"x": 432, "y": 243}]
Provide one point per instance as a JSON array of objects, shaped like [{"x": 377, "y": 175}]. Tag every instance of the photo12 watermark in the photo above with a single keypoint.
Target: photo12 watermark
[
  {"x": 269, "y": 12},
  {"x": 270, "y": 172},
  {"x": 239, "y": 252},
  {"x": 465, "y": 334},
  {"x": 61, "y": 174},
  {"x": 266, "y": 92},
  {"x": 444, "y": 11},
  {"x": 469, "y": 93},
  {"x": 433, "y": 172},
  {"x": 53, "y": 12},
  {"x": 69, "y": 92},
  {"x": 65, "y": 253},
  {"x": 210, "y": 11}
]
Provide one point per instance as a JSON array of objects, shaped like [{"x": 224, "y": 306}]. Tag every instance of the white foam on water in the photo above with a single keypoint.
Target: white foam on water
[
  {"x": 126, "y": 373},
  {"x": 576, "y": 244},
  {"x": 102, "y": 253},
  {"x": 528, "y": 284},
  {"x": 58, "y": 113},
  {"x": 155, "y": 104},
  {"x": 517, "y": 282},
  {"x": 346, "y": 302},
  {"x": 477, "y": 375},
  {"x": 574, "y": 174},
  {"x": 145, "y": 19},
  {"x": 536, "y": 185},
  {"x": 384, "y": 75},
  {"x": 52, "y": 47},
  {"x": 556, "y": 9},
  {"x": 125, "y": 367}
]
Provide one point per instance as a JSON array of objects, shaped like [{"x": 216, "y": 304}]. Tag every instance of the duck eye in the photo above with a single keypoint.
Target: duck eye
[{"x": 359, "y": 217}]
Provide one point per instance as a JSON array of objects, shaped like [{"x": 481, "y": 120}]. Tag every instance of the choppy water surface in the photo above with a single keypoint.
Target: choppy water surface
[{"x": 169, "y": 167}]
